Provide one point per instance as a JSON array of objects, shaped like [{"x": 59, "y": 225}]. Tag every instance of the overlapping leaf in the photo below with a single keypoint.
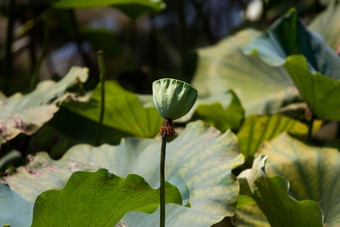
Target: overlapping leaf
[
  {"x": 261, "y": 88},
  {"x": 320, "y": 92},
  {"x": 311, "y": 171},
  {"x": 98, "y": 199},
  {"x": 271, "y": 195},
  {"x": 27, "y": 113},
  {"x": 200, "y": 154}
]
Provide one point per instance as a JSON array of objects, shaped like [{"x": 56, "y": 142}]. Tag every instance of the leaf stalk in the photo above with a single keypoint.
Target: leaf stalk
[
  {"x": 102, "y": 103},
  {"x": 162, "y": 180}
]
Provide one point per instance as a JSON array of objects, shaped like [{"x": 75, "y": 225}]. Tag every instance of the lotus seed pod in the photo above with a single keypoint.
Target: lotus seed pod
[{"x": 173, "y": 98}]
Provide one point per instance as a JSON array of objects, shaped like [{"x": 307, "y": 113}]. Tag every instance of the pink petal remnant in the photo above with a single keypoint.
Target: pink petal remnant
[
  {"x": 50, "y": 168},
  {"x": 3, "y": 128}
]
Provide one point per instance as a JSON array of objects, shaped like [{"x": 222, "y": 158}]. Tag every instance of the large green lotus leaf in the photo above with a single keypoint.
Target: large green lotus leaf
[
  {"x": 123, "y": 111},
  {"x": 288, "y": 36},
  {"x": 133, "y": 8},
  {"x": 27, "y": 113},
  {"x": 259, "y": 128},
  {"x": 313, "y": 173},
  {"x": 327, "y": 24},
  {"x": 320, "y": 92},
  {"x": 222, "y": 119},
  {"x": 271, "y": 195},
  {"x": 14, "y": 210},
  {"x": 200, "y": 154},
  {"x": 260, "y": 87},
  {"x": 98, "y": 199}
]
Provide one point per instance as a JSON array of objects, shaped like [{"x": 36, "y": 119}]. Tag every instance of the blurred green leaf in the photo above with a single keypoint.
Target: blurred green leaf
[
  {"x": 27, "y": 113},
  {"x": 14, "y": 210},
  {"x": 261, "y": 88},
  {"x": 288, "y": 36},
  {"x": 102, "y": 39},
  {"x": 98, "y": 199},
  {"x": 316, "y": 77},
  {"x": 133, "y": 8},
  {"x": 123, "y": 111},
  {"x": 201, "y": 155},
  {"x": 327, "y": 24},
  {"x": 271, "y": 195},
  {"x": 320, "y": 92},
  {"x": 257, "y": 129},
  {"x": 223, "y": 119}
]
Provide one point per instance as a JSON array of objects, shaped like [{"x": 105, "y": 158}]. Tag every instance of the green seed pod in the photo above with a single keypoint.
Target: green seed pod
[{"x": 173, "y": 98}]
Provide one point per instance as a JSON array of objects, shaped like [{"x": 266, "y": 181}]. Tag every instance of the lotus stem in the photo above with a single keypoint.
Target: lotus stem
[
  {"x": 102, "y": 103},
  {"x": 162, "y": 180}
]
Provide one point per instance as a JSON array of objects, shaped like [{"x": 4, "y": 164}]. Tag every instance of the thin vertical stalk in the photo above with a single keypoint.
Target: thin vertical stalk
[
  {"x": 162, "y": 180},
  {"x": 102, "y": 103},
  {"x": 35, "y": 75},
  {"x": 8, "y": 48}
]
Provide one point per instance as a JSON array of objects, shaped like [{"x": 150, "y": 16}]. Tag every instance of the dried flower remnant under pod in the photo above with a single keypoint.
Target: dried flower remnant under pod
[{"x": 173, "y": 99}]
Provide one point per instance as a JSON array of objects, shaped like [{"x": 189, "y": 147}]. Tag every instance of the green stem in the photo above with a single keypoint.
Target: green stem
[
  {"x": 162, "y": 180},
  {"x": 102, "y": 104},
  {"x": 310, "y": 127},
  {"x": 42, "y": 56},
  {"x": 8, "y": 48}
]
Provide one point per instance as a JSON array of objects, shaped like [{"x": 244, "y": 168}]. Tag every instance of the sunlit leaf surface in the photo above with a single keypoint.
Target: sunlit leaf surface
[{"x": 261, "y": 88}]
